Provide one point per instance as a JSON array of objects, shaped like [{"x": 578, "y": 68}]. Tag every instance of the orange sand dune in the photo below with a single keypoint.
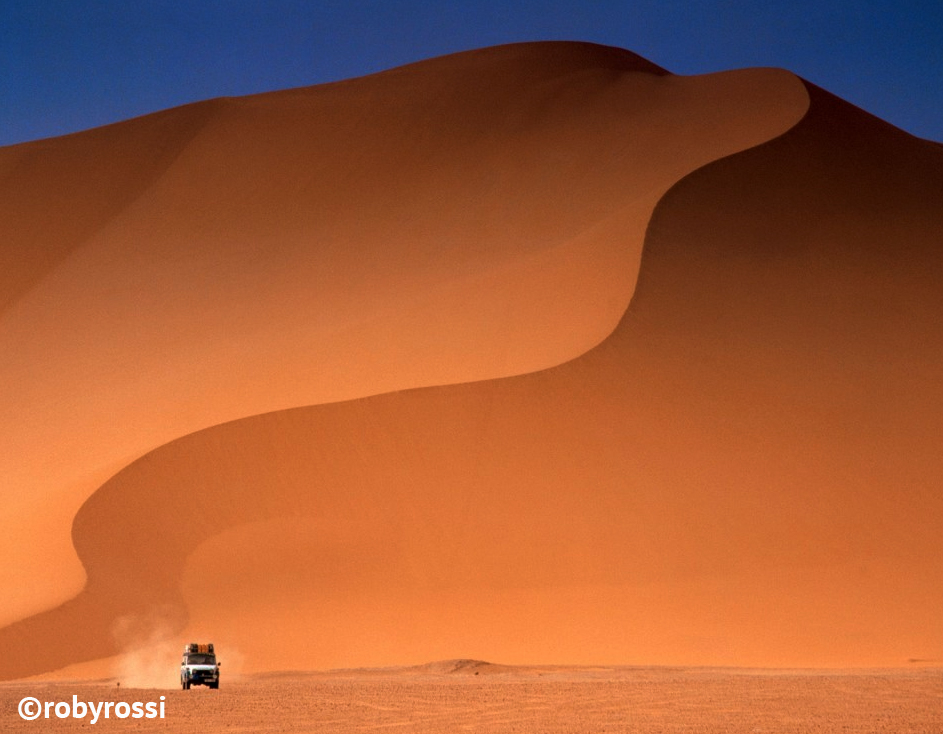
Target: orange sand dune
[
  {"x": 742, "y": 472},
  {"x": 469, "y": 217}
]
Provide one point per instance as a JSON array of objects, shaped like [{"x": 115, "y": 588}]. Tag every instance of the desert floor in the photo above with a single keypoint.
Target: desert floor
[{"x": 480, "y": 697}]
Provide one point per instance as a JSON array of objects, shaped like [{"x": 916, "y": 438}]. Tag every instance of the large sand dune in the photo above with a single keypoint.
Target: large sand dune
[{"x": 362, "y": 362}]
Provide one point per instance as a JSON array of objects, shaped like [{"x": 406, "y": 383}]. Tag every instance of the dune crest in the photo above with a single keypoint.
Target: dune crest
[{"x": 475, "y": 217}]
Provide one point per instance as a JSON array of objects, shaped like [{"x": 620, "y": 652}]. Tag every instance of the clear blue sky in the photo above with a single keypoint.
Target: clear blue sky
[{"x": 66, "y": 65}]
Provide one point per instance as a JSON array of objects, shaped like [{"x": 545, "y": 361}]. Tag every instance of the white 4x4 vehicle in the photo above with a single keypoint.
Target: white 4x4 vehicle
[{"x": 199, "y": 666}]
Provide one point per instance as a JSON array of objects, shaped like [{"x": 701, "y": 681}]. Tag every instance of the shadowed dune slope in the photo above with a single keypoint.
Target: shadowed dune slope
[
  {"x": 745, "y": 472},
  {"x": 469, "y": 217}
]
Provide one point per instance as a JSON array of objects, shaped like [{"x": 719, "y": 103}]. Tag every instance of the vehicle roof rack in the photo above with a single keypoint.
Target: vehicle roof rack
[{"x": 205, "y": 647}]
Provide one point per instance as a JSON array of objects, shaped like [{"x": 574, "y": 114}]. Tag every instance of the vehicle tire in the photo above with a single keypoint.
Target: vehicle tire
[{"x": 215, "y": 685}]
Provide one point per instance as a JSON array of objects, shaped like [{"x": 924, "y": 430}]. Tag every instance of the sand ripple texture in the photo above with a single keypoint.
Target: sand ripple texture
[{"x": 534, "y": 700}]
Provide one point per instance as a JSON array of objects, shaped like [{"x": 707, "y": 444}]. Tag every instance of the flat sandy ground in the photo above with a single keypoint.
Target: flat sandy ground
[{"x": 533, "y": 700}]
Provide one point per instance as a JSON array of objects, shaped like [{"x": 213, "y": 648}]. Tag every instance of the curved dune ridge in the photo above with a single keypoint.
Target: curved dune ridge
[
  {"x": 738, "y": 468},
  {"x": 465, "y": 218}
]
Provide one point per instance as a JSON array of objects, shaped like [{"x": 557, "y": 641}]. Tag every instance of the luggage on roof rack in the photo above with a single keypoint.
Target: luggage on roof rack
[{"x": 198, "y": 647}]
